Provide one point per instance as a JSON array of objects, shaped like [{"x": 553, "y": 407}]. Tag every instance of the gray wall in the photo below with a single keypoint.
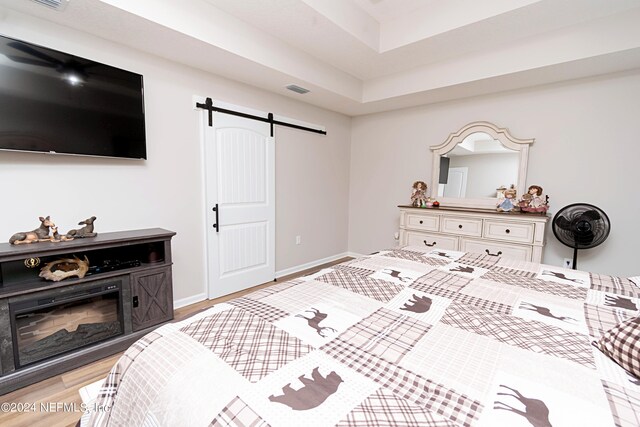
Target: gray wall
[
  {"x": 586, "y": 150},
  {"x": 312, "y": 171}
]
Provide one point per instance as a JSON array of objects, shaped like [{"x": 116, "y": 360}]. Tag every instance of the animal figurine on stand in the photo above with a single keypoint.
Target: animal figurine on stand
[
  {"x": 508, "y": 202},
  {"x": 419, "y": 194},
  {"x": 86, "y": 231},
  {"x": 40, "y": 234}
]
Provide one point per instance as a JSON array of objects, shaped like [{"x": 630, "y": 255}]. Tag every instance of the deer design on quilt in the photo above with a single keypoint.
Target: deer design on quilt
[
  {"x": 545, "y": 311},
  {"x": 315, "y": 320},
  {"x": 561, "y": 276},
  {"x": 313, "y": 392},
  {"x": 620, "y": 302},
  {"x": 535, "y": 410}
]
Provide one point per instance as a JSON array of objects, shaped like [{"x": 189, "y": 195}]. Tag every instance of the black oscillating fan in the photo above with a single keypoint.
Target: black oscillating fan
[{"x": 581, "y": 226}]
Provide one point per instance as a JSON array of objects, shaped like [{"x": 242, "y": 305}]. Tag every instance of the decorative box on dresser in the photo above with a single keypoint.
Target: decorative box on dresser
[{"x": 513, "y": 235}]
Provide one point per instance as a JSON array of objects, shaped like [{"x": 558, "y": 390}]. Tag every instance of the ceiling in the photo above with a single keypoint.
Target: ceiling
[{"x": 364, "y": 56}]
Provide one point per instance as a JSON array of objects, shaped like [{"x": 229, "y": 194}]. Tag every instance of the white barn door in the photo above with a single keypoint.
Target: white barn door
[{"x": 240, "y": 187}]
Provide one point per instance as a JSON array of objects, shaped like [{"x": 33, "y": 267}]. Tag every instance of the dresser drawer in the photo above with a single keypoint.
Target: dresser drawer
[
  {"x": 462, "y": 226},
  {"x": 423, "y": 222},
  {"x": 506, "y": 250},
  {"x": 509, "y": 231},
  {"x": 432, "y": 240}
]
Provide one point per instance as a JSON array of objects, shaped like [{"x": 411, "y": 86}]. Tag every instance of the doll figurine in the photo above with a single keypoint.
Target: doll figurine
[
  {"x": 533, "y": 201},
  {"x": 508, "y": 202},
  {"x": 418, "y": 195}
]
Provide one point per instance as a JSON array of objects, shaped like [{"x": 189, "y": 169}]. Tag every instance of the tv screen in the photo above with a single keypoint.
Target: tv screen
[{"x": 56, "y": 102}]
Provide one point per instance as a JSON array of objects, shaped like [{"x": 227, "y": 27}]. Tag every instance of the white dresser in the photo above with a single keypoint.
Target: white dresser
[{"x": 512, "y": 235}]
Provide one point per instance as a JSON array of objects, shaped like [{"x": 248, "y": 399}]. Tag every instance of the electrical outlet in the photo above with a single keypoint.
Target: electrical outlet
[
  {"x": 298, "y": 240},
  {"x": 567, "y": 263}
]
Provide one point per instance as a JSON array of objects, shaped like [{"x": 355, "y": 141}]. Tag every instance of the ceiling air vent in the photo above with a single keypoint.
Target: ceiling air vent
[
  {"x": 53, "y": 4},
  {"x": 297, "y": 89}
]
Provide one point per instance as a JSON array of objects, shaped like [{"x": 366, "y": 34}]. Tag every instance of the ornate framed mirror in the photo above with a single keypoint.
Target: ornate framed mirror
[{"x": 474, "y": 162}]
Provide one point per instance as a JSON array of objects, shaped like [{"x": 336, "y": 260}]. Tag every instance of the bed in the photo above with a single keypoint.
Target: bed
[{"x": 408, "y": 336}]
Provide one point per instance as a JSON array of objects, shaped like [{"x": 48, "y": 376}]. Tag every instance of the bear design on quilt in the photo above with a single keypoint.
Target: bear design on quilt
[
  {"x": 313, "y": 392},
  {"x": 417, "y": 304}
]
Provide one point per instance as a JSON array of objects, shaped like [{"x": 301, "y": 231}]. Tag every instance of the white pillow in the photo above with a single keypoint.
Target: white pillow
[{"x": 635, "y": 280}]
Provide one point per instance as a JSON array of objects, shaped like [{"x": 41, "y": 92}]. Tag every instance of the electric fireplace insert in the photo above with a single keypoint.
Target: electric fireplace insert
[{"x": 48, "y": 326}]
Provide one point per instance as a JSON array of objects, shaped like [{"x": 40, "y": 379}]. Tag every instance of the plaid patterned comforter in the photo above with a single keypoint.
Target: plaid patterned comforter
[{"x": 404, "y": 337}]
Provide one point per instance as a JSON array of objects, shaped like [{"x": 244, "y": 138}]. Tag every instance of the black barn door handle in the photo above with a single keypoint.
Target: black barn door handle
[{"x": 216, "y": 225}]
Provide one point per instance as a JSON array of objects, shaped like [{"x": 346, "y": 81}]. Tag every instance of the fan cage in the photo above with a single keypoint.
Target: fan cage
[{"x": 600, "y": 228}]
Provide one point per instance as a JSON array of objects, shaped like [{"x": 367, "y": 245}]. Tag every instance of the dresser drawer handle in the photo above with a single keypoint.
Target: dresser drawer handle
[
  {"x": 425, "y": 242},
  {"x": 489, "y": 253},
  {"x": 420, "y": 221},
  {"x": 459, "y": 225},
  {"x": 507, "y": 231}
]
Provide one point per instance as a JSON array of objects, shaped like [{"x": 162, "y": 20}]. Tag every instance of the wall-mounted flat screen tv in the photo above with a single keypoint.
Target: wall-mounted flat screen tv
[{"x": 55, "y": 102}]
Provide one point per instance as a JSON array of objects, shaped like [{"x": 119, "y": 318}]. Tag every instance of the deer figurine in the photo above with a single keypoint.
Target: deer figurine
[
  {"x": 57, "y": 237},
  {"x": 86, "y": 231},
  {"x": 40, "y": 234}
]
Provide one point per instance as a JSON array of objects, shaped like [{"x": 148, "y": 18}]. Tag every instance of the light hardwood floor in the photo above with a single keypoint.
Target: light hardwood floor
[{"x": 62, "y": 390}]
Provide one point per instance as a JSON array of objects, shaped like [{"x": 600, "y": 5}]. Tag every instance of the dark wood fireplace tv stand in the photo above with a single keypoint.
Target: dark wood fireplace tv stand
[{"x": 47, "y": 327}]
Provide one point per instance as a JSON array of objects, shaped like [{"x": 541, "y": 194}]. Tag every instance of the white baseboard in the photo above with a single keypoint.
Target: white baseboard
[
  {"x": 301, "y": 267},
  {"x": 287, "y": 271},
  {"x": 354, "y": 255},
  {"x": 189, "y": 300}
]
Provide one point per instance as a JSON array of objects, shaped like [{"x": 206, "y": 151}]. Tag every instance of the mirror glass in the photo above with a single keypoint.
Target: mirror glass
[{"x": 477, "y": 167}]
